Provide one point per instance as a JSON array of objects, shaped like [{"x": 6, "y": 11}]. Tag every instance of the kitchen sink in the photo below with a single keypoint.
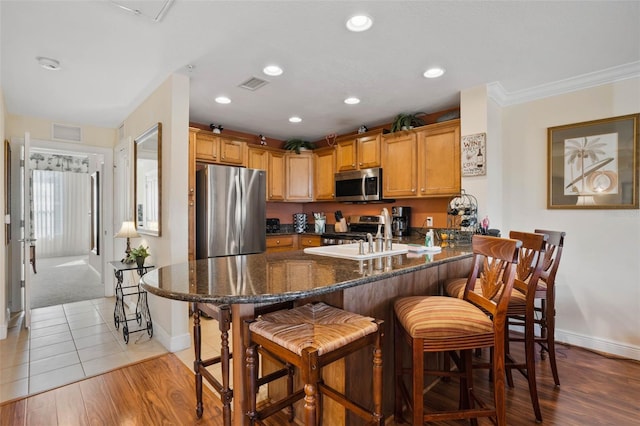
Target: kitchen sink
[{"x": 350, "y": 251}]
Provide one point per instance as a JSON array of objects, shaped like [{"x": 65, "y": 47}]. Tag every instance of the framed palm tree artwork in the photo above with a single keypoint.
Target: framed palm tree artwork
[{"x": 594, "y": 164}]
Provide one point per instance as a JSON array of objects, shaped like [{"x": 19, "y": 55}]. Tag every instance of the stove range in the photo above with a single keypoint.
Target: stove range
[{"x": 359, "y": 226}]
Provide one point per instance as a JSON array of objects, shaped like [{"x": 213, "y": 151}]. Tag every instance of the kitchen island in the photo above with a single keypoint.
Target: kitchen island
[{"x": 365, "y": 287}]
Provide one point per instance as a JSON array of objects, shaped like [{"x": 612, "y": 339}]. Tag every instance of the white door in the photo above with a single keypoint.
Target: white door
[{"x": 27, "y": 230}]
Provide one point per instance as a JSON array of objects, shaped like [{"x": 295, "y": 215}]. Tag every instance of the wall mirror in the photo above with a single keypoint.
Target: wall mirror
[{"x": 147, "y": 177}]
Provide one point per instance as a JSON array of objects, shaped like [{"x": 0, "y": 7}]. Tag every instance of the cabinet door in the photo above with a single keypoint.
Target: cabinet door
[
  {"x": 399, "y": 165},
  {"x": 369, "y": 152},
  {"x": 207, "y": 146},
  {"x": 324, "y": 166},
  {"x": 276, "y": 177},
  {"x": 232, "y": 151},
  {"x": 439, "y": 159},
  {"x": 346, "y": 155},
  {"x": 258, "y": 158},
  {"x": 299, "y": 176}
]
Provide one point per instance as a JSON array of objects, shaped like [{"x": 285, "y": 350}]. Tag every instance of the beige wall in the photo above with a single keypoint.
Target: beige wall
[
  {"x": 598, "y": 284},
  {"x": 40, "y": 128},
  {"x": 169, "y": 104},
  {"x": 4, "y": 288}
]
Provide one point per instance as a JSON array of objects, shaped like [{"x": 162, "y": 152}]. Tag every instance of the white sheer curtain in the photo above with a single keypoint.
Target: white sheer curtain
[{"x": 61, "y": 205}]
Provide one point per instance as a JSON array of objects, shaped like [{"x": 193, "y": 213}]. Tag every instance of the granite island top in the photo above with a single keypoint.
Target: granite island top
[{"x": 282, "y": 276}]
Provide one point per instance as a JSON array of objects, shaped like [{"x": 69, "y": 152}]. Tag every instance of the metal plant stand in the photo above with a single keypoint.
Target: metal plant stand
[{"x": 142, "y": 316}]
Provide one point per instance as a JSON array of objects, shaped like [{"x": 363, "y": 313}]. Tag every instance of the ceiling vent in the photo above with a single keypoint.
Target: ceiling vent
[
  {"x": 61, "y": 132},
  {"x": 253, "y": 83}
]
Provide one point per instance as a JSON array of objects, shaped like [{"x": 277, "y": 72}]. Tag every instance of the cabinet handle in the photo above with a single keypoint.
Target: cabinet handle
[
  {"x": 277, "y": 241},
  {"x": 422, "y": 189},
  {"x": 413, "y": 190},
  {"x": 353, "y": 164},
  {"x": 361, "y": 163},
  {"x": 191, "y": 190}
]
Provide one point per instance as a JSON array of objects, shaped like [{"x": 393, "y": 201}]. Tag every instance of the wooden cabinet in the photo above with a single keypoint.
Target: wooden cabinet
[
  {"x": 276, "y": 176},
  {"x": 439, "y": 159},
  {"x": 324, "y": 168},
  {"x": 207, "y": 146},
  {"x": 309, "y": 241},
  {"x": 271, "y": 160},
  {"x": 399, "y": 165},
  {"x": 214, "y": 148},
  {"x": 299, "y": 177},
  {"x": 358, "y": 152},
  {"x": 281, "y": 243}
]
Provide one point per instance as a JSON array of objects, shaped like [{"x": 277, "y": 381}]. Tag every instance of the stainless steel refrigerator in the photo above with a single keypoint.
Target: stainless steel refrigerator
[{"x": 230, "y": 211}]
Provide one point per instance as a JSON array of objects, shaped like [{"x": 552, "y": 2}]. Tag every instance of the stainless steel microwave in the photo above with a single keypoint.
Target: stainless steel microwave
[{"x": 359, "y": 185}]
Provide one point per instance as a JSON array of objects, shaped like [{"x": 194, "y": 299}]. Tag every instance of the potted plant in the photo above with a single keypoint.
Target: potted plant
[
  {"x": 297, "y": 145},
  {"x": 407, "y": 121},
  {"x": 138, "y": 255}
]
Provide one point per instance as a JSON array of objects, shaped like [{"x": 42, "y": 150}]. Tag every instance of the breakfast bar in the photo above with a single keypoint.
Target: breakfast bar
[{"x": 366, "y": 287}]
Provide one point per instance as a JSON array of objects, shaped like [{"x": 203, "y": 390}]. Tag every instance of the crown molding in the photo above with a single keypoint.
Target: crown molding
[{"x": 503, "y": 98}]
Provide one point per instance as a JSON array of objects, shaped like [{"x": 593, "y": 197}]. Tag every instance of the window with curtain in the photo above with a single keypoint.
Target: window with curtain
[{"x": 61, "y": 206}]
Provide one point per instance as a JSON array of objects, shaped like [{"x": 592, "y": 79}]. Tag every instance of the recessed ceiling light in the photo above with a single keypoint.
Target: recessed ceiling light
[
  {"x": 434, "y": 72},
  {"x": 48, "y": 63},
  {"x": 359, "y": 23},
  {"x": 223, "y": 100},
  {"x": 272, "y": 70},
  {"x": 295, "y": 119},
  {"x": 352, "y": 101}
]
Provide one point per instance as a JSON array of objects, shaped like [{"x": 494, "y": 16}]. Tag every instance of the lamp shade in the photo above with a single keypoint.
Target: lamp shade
[{"x": 128, "y": 230}]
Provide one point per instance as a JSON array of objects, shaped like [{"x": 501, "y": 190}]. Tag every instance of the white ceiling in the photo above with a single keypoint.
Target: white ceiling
[{"x": 112, "y": 60}]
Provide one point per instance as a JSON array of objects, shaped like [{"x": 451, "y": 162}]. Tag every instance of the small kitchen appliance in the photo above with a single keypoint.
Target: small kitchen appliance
[
  {"x": 273, "y": 225},
  {"x": 400, "y": 221}
]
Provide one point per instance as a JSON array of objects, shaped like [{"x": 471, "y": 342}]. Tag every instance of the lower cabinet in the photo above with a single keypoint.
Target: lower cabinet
[{"x": 282, "y": 243}]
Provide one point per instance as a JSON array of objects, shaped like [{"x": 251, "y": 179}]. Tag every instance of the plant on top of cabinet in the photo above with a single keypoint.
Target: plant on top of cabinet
[
  {"x": 298, "y": 144},
  {"x": 407, "y": 121}
]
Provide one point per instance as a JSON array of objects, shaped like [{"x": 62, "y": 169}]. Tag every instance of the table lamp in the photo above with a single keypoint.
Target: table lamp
[{"x": 128, "y": 230}]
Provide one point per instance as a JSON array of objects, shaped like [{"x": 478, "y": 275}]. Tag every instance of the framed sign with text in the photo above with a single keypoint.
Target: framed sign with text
[{"x": 474, "y": 155}]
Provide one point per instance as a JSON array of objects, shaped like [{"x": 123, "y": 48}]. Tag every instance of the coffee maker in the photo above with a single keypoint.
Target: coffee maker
[{"x": 400, "y": 221}]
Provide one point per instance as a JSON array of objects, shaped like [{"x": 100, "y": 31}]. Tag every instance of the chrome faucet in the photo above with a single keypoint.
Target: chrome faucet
[
  {"x": 370, "y": 241},
  {"x": 388, "y": 244}
]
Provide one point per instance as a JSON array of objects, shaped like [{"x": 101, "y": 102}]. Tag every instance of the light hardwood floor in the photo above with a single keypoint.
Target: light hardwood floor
[{"x": 596, "y": 390}]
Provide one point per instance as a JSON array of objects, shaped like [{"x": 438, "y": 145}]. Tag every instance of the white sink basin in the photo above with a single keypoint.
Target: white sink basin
[{"x": 350, "y": 251}]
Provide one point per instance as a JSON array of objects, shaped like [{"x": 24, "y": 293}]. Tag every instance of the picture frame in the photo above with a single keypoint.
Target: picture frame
[
  {"x": 593, "y": 164},
  {"x": 473, "y": 155}
]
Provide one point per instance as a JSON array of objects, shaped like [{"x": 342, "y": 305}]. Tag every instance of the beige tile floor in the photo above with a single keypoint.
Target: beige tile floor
[{"x": 67, "y": 343}]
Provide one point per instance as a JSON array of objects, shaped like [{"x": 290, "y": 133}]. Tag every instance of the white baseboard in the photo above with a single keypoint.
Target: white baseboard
[
  {"x": 171, "y": 343},
  {"x": 600, "y": 345}
]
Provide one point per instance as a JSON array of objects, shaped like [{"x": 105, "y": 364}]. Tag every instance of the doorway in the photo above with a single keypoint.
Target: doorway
[{"x": 62, "y": 260}]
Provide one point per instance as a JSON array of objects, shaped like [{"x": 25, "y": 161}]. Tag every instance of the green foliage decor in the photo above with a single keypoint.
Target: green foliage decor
[
  {"x": 139, "y": 252},
  {"x": 297, "y": 144},
  {"x": 407, "y": 121}
]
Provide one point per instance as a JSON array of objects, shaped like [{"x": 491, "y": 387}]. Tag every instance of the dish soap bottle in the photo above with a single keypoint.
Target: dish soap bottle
[{"x": 428, "y": 239}]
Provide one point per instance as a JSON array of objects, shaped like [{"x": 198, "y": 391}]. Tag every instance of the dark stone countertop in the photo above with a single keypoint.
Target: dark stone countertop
[{"x": 282, "y": 276}]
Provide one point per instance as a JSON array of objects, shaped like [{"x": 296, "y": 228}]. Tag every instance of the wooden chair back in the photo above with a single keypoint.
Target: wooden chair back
[
  {"x": 553, "y": 253},
  {"x": 494, "y": 265},
  {"x": 531, "y": 260}
]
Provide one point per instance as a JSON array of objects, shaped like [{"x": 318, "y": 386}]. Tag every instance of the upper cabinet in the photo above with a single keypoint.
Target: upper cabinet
[
  {"x": 399, "y": 165},
  {"x": 214, "y": 148},
  {"x": 424, "y": 162},
  {"x": 358, "y": 152},
  {"x": 271, "y": 160},
  {"x": 324, "y": 166},
  {"x": 439, "y": 159},
  {"x": 299, "y": 176}
]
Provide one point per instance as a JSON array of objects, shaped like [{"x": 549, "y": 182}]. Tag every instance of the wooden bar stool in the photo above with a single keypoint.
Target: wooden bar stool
[
  {"x": 310, "y": 337},
  {"x": 521, "y": 307},
  {"x": 222, "y": 314},
  {"x": 457, "y": 326}
]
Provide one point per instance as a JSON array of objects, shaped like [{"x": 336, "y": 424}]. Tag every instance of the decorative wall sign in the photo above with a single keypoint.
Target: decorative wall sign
[
  {"x": 594, "y": 164},
  {"x": 474, "y": 155}
]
